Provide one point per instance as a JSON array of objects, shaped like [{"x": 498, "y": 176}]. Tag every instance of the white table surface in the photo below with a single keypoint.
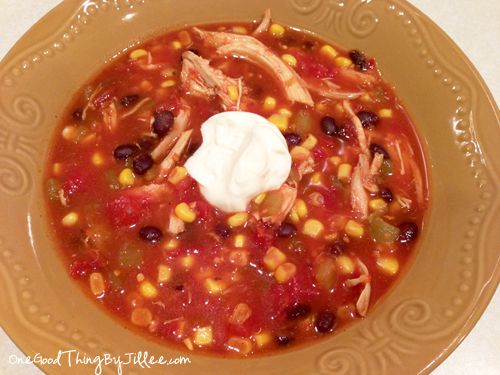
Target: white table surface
[{"x": 475, "y": 27}]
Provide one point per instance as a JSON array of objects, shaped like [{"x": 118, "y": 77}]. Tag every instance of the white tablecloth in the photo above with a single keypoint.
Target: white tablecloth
[{"x": 475, "y": 27}]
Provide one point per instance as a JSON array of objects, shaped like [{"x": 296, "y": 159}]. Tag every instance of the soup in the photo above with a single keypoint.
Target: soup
[{"x": 303, "y": 259}]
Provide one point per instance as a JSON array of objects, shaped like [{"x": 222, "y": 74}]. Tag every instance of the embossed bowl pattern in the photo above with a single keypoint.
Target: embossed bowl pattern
[{"x": 421, "y": 320}]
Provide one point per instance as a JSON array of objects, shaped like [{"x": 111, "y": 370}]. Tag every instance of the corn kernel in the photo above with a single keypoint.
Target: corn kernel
[
  {"x": 280, "y": 121},
  {"x": 285, "y": 272},
  {"x": 269, "y": 103},
  {"x": 313, "y": 228},
  {"x": 168, "y": 83},
  {"x": 289, "y": 59},
  {"x": 171, "y": 244},
  {"x": 273, "y": 258},
  {"x": 300, "y": 153},
  {"x": 141, "y": 316},
  {"x": 389, "y": 265},
  {"x": 146, "y": 85},
  {"x": 57, "y": 169},
  {"x": 385, "y": 113},
  {"x": 185, "y": 38},
  {"x": 344, "y": 172},
  {"x": 366, "y": 98},
  {"x": 354, "y": 229},
  {"x": 294, "y": 216},
  {"x": 138, "y": 53},
  {"x": 285, "y": 112},
  {"x": 277, "y": 30},
  {"x": 262, "y": 339},
  {"x": 203, "y": 336},
  {"x": 346, "y": 265},
  {"x": 188, "y": 343},
  {"x": 335, "y": 160},
  {"x": 69, "y": 132},
  {"x": 148, "y": 290},
  {"x": 237, "y": 220},
  {"x": 310, "y": 142},
  {"x": 301, "y": 208},
  {"x": 241, "y": 313},
  {"x": 186, "y": 261},
  {"x": 239, "y": 30},
  {"x": 97, "y": 159},
  {"x": 316, "y": 178},
  {"x": 343, "y": 62},
  {"x": 239, "y": 240},
  {"x": 185, "y": 213},
  {"x": 96, "y": 282},
  {"x": 177, "y": 175},
  {"x": 176, "y": 44},
  {"x": 214, "y": 286},
  {"x": 377, "y": 204},
  {"x": 233, "y": 93},
  {"x": 240, "y": 345},
  {"x": 260, "y": 198},
  {"x": 70, "y": 219},
  {"x": 321, "y": 107},
  {"x": 126, "y": 177},
  {"x": 328, "y": 51},
  {"x": 164, "y": 273}
]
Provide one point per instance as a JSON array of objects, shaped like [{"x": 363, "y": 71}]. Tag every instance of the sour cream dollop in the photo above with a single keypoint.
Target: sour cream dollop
[{"x": 241, "y": 156}]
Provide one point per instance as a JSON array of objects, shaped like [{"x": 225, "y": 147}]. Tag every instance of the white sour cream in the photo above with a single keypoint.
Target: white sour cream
[{"x": 241, "y": 156}]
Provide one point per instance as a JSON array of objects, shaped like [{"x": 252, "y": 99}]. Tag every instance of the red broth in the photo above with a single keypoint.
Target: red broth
[{"x": 243, "y": 284}]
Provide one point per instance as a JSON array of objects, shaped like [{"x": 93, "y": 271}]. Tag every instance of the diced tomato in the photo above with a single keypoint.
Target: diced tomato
[
  {"x": 263, "y": 235},
  {"x": 308, "y": 66},
  {"x": 204, "y": 211},
  {"x": 319, "y": 153},
  {"x": 103, "y": 99},
  {"x": 127, "y": 210},
  {"x": 78, "y": 181},
  {"x": 86, "y": 264}
]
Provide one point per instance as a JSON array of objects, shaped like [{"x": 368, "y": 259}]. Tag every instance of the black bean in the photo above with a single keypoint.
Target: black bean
[
  {"x": 142, "y": 163},
  {"x": 162, "y": 123},
  {"x": 223, "y": 230},
  {"x": 359, "y": 60},
  {"x": 325, "y": 320},
  {"x": 297, "y": 311},
  {"x": 337, "y": 247},
  {"x": 368, "y": 119},
  {"x": 146, "y": 143},
  {"x": 283, "y": 339},
  {"x": 386, "y": 195},
  {"x": 329, "y": 126},
  {"x": 129, "y": 100},
  {"x": 286, "y": 230},
  {"x": 376, "y": 149},
  {"x": 408, "y": 232},
  {"x": 308, "y": 45},
  {"x": 151, "y": 234},
  {"x": 293, "y": 139},
  {"x": 77, "y": 115},
  {"x": 125, "y": 151}
]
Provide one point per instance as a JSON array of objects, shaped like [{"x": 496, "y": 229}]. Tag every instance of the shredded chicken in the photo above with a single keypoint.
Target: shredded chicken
[
  {"x": 358, "y": 126},
  {"x": 247, "y": 47},
  {"x": 330, "y": 90},
  {"x": 404, "y": 202},
  {"x": 156, "y": 192},
  {"x": 264, "y": 24},
  {"x": 401, "y": 160},
  {"x": 289, "y": 195},
  {"x": 419, "y": 183},
  {"x": 175, "y": 225},
  {"x": 200, "y": 79},
  {"x": 62, "y": 198},
  {"x": 110, "y": 116},
  {"x": 370, "y": 174},
  {"x": 90, "y": 103},
  {"x": 364, "y": 298},
  {"x": 363, "y": 79},
  {"x": 180, "y": 125},
  {"x": 359, "y": 197},
  {"x": 174, "y": 155},
  {"x": 135, "y": 108}
]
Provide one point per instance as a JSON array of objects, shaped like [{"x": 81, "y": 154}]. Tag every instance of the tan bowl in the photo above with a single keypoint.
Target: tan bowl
[{"x": 414, "y": 328}]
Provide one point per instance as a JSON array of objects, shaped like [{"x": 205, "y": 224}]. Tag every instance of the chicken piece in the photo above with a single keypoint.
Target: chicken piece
[
  {"x": 174, "y": 155},
  {"x": 418, "y": 180},
  {"x": 90, "y": 103},
  {"x": 175, "y": 225},
  {"x": 135, "y": 108},
  {"x": 359, "y": 197},
  {"x": 370, "y": 174},
  {"x": 357, "y": 125},
  {"x": 364, "y": 298},
  {"x": 155, "y": 192},
  {"x": 200, "y": 79},
  {"x": 110, "y": 116},
  {"x": 362, "y": 79},
  {"x": 289, "y": 195},
  {"x": 247, "y": 47},
  {"x": 181, "y": 123},
  {"x": 330, "y": 90},
  {"x": 264, "y": 24}
]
